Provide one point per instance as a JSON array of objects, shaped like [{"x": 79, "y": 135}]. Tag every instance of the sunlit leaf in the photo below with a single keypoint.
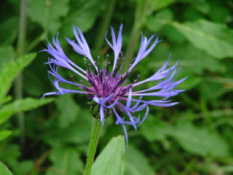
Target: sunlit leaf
[{"x": 110, "y": 160}]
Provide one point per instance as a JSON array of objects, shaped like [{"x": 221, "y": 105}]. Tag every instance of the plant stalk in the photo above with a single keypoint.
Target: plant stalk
[
  {"x": 143, "y": 9},
  {"x": 104, "y": 25},
  {"x": 95, "y": 133},
  {"x": 18, "y": 87}
]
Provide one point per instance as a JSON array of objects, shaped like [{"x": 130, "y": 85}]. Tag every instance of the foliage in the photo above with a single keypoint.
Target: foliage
[
  {"x": 194, "y": 137},
  {"x": 4, "y": 170},
  {"x": 110, "y": 161}
]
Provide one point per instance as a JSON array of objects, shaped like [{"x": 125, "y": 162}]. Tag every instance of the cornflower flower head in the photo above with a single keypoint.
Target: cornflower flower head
[{"x": 108, "y": 88}]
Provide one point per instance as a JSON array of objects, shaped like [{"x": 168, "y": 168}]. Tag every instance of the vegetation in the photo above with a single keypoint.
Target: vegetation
[{"x": 51, "y": 137}]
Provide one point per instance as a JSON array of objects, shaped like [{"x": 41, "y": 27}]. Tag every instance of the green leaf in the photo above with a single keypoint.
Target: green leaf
[
  {"x": 4, "y": 134},
  {"x": 21, "y": 105},
  {"x": 110, "y": 160},
  {"x": 10, "y": 154},
  {"x": 218, "y": 11},
  {"x": 5, "y": 99},
  {"x": 6, "y": 55},
  {"x": 65, "y": 161},
  {"x": 195, "y": 140},
  {"x": 83, "y": 17},
  {"x": 22, "y": 167},
  {"x": 154, "y": 26},
  {"x": 154, "y": 129},
  {"x": 68, "y": 110},
  {"x": 192, "y": 60},
  {"x": 10, "y": 29},
  {"x": 48, "y": 13},
  {"x": 199, "y": 140},
  {"x": 78, "y": 132},
  {"x": 4, "y": 116},
  {"x": 158, "y": 4},
  {"x": 137, "y": 163},
  {"x": 196, "y": 61},
  {"x": 4, "y": 170},
  {"x": 201, "y": 6},
  {"x": 215, "y": 39},
  {"x": 11, "y": 70},
  {"x": 191, "y": 82}
]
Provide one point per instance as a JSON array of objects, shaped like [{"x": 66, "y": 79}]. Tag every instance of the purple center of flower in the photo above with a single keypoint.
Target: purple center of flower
[{"x": 104, "y": 83}]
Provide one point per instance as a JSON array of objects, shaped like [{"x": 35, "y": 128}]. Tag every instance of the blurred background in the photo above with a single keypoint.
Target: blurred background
[{"x": 192, "y": 138}]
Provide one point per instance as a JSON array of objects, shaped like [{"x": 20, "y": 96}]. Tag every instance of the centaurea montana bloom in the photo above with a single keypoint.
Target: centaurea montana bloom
[{"x": 108, "y": 88}]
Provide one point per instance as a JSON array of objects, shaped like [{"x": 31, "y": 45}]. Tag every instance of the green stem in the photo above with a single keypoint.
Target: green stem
[
  {"x": 22, "y": 29},
  {"x": 134, "y": 37},
  {"x": 95, "y": 133},
  {"x": 18, "y": 88},
  {"x": 35, "y": 42},
  {"x": 104, "y": 25},
  {"x": 142, "y": 10}
]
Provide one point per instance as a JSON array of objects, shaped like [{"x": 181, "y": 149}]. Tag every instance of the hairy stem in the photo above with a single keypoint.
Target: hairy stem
[{"x": 95, "y": 133}]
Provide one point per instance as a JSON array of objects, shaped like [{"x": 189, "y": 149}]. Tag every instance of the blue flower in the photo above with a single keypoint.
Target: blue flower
[{"x": 108, "y": 88}]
